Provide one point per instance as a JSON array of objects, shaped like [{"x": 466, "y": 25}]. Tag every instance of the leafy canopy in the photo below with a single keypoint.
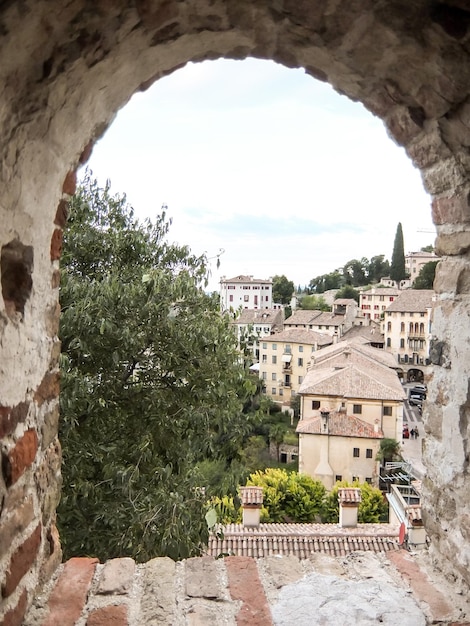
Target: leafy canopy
[{"x": 151, "y": 385}]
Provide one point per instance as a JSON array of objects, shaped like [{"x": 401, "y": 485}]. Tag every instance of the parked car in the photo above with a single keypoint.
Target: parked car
[{"x": 416, "y": 399}]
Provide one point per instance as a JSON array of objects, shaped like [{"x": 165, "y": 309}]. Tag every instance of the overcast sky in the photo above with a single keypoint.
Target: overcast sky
[{"x": 268, "y": 164}]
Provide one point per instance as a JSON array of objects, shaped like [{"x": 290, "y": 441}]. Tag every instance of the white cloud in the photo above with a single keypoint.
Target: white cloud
[{"x": 243, "y": 152}]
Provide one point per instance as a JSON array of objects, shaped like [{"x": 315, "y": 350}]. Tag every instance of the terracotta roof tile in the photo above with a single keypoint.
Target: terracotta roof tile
[
  {"x": 300, "y": 335},
  {"x": 349, "y": 495},
  {"x": 413, "y": 301},
  {"x": 302, "y": 540},
  {"x": 339, "y": 425}
]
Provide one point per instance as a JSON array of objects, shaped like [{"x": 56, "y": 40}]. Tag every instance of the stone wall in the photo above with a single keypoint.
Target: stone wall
[{"x": 68, "y": 67}]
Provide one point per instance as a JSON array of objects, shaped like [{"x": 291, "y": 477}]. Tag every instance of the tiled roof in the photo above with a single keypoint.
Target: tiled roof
[
  {"x": 356, "y": 353},
  {"x": 300, "y": 335},
  {"x": 380, "y": 291},
  {"x": 259, "y": 316},
  {"x": 345, "y": 301},
  {"x": 370, "y": 334},
  {"x": 302, "y": 540},
  {"x": 349, "y": 495},
  {"x": 302, "y": 317},
  {"x": 328, "y": 319},
  {"x": 251, "y": 495},
  {"x": 339, "y": 425},
  {"x": 245, "y": 279},
  {"x": 364, "y": 381},
  {"x": 413, "y": 301}
]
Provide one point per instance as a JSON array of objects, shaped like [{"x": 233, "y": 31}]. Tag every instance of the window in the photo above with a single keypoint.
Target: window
[
  {"x": 387, "y": 410},
  {"x": 246, "y": 298},
  {"x": 389, "y": 326},
  {"x": 300, "y": 361},
  {"x": 357, "y": 408},
  {"x": 355, "y": 479},
  {"x": 368, "y": 453},
  {"x": 301, "y": 378},
  {"x": 265, "y": 346},
  {"x": 287, "y": 349},
  {"x": 356, "y": 453},
  {"x": 368, "y": 480},
  {"x": 402, "y": 327},
  {"x": 274, "y": 359},
  {"x": 230, "y": 297},
  {"x": 315, "y": 405},
  {"x": 264, "y": 375},
  {"x": 338, "y": 478},
  {"x": 381, "y": 298},
  {"x": 281, "y": 392},
  {"x": 273, "y": 376},
  {"x": 273, "y": 391},
  {"x": 274, "y": 346},
  {"x": 402, "y": 343},
  {"x": 301, "y": 348},
  {"x": 389, "y": 342},
  {"x": 264, "y": 358}
]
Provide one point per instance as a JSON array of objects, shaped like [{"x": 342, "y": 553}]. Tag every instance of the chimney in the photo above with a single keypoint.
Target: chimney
[
  {"x": 325, "y": 416},
  {"x": 349, "y": 500},
  {"x": 252, "y": 500}
]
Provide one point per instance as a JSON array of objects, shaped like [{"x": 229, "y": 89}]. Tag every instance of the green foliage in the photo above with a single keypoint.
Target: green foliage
[
  {"x": 151, "y": 385},
  {"x": 282, "y": 289},
  {"x": 348, "y": 292},
  {"x": 227, "y": 508},
  {"x": 288, "y": 496},
  {"x": 425, "y": 278},
  {"x": 295, "y": 405},
  {"x": 389, "y": 450},
  {"x": 397, "y": 267},
  {"x": 372, "y": 509},
  {"x": 325, "y": 282},
  {"x": 314, "y": 303},
  {"x": 428, "y": 248}
]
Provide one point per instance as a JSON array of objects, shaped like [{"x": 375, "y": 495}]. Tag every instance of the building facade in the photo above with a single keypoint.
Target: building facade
[
  {"x": 284, "y": 358},
  {"x": 335, "y": 446},
  {"x": 407, "y": 329},
  {"x": 254, "y": 324},
  {"x": 374, "y": 302},
  {"x": 246, "y": 292},
  {"x": 414, "y": 261}
]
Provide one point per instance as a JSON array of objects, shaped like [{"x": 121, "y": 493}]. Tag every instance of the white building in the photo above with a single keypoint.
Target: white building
[
  {"x": 414, "y": 261},
  {"x": 246, "y": 292},
  {"x": 254, "y": 324},
  {"x": 407, "y": 330}
]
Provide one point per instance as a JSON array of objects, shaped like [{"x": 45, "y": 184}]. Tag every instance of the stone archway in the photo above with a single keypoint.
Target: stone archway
[{"x": 66, "y": 70}]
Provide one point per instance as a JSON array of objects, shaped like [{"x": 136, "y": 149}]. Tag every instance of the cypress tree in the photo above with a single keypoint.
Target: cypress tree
[{"x": 397, "y": 267}]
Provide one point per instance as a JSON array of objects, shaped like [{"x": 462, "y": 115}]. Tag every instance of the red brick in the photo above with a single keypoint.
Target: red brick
[
  {"x": 86, "y": 154},
  {"x": 14, "y": 617},
  {"x": 21, "y": 562},
  {"x": 62, "y": 213},
  {"x": 421, "y": 585},
  {"x": 245, "y": 585},
  {"x": 70, "y": 593},
  {"x": 20, "y": 457},
  {"x": 70, "y": 183},
  {"x": 108, "y": 616},
  {"x": 11, "y": 417},
  {"x": 48, "y": 389},
  {"x": 56, "y": 244}
]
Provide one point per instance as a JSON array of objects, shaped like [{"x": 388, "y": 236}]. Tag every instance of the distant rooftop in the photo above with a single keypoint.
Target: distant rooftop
[
  {"x": 339, "y": 425},
  {"x": 413, "y": 301},
  {"x": 242, "y": 278}
]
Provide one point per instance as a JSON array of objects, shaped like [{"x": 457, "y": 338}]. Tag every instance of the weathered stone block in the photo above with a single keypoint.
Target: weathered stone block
[
  {"x": 49, "y": 388},
  {"x": 62, "y": 214},
  {"x": 202, "y": 578},
  {"x": 108, "y": 616},
  {"x": 451, "y": 209},
  {"x": 10, "y": 417},
  {"x": 158, "y": 606},
  {"x": 15, "y": 523},
  {"x": 21, "y": 561},
  {"x": 70, "y": 183},
  {"x": 117, "y": 576},
  {"x": 453, "y": 244}
]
